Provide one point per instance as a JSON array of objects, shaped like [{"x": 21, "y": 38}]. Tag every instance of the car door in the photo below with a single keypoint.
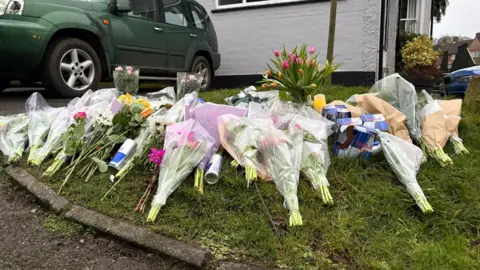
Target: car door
[
  {"x": 139, "y": 38},
  {"x": 180, "y": 35}
]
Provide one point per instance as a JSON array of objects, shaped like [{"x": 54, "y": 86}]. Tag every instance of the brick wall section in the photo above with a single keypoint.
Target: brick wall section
[{"x": 247, "y": 37}]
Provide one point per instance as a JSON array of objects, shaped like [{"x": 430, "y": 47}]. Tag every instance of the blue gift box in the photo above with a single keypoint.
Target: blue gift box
[
  {"x": 334, "y": 112},
  {"x": 355, "y": 141}
]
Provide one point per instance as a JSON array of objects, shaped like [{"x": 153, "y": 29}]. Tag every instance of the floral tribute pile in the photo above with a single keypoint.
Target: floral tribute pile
[{"x": 175, "y": 134}]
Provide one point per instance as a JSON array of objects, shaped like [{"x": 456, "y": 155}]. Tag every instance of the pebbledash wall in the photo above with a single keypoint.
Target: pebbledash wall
[{"x": 248, "y": 36}]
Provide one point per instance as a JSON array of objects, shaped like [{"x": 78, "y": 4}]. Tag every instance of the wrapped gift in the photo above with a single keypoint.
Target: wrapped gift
[
  {"x": 375, "y": 121},
  {"x": 355, "y": 141},
  {"x": 334, "y": 112}
]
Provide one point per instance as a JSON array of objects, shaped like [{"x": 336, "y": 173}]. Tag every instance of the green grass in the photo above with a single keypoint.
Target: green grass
[
  {"x": 374, "y": 223},
  {"x": 62, "y": 226}
]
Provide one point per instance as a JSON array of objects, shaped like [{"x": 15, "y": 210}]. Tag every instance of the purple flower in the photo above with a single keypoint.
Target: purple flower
[{"x": 156, "y": 156}]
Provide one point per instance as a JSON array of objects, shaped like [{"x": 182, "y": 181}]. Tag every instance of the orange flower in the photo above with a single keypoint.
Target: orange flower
[
  {"x": 274, "y": 85},
  {"x": 300, "y": 71},
  {"x": 268, "y": 72},
  {"x": 264, "y": 86},
  {"x": 146, "y": 112},
  {"x": 280, "y": 75},
  {"x": 307, "y": 62},
  {"x": 313, "y": 62}
]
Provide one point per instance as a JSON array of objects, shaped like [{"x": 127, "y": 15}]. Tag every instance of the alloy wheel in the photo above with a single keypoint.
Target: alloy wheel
[
  {"x": 203, "y": 70},
  {"x": 77, "y": 69}
]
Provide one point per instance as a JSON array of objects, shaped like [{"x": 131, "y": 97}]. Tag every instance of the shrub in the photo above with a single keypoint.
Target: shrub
[{"x": 419, "y": 53}]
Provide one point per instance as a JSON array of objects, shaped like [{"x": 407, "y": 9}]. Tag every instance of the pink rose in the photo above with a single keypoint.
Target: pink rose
[
  {"x": 119, "y": 68},
  {"x": 276, "y": 53},
  {"x": 129, "y": 68},
  {"x": 311, "y": 50},
  {"x": 293, "y": 57},
  {"x": 80, "y": 116},
  {"x": 285, "y": 64}
]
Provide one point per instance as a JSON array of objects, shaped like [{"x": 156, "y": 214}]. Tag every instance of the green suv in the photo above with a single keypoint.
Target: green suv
[{"x": 71, "y": 45}]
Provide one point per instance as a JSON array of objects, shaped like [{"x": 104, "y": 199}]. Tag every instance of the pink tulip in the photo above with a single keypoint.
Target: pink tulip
[
  {"x": 276, "y": 53},
  {"x": 311, "y": 50},
  {"x": 300, "y": 61},
  {"x": 293, "y": 57},
  {"x": 285, "y": 64}
]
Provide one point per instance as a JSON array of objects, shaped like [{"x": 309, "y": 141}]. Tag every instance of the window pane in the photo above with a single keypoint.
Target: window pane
[
  {"x": 198, "y": 17},
  {"x": 229, "y": 2},
  {"x": 174, "y": 13},
  {"x": 144, "y": 9}
]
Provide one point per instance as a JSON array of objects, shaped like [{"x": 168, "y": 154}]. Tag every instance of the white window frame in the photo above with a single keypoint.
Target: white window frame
[
  {"x": 412, "y": 15},
  {"x": 253, "y": 4}
]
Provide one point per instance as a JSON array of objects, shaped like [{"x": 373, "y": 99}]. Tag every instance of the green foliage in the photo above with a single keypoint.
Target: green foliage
[
  {"x": 402, "y": 39},
  {"x": 297, "y": 73},
  {"x": 419, "y": 53},
  {"x": 439, "y": 9},
  {"x": 73, "y": 138}
]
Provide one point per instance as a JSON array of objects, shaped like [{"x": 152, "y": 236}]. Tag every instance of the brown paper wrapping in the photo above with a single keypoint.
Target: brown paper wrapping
[
  {"x": 394, "y": 117},
  {"x": 434, "y": 130},
  {"x": 356, "y": 111},
  {"x": 451, "y": 107},
  {"x": 359, "y": 98}
]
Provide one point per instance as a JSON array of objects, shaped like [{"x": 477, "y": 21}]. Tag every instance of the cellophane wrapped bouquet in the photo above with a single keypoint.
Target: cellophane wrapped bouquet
[
  {"x": 41, "y": 117},
  {"x": 126, "y": 79},
  {"x": 405, "y": 159},
  {"x": 283, "y": 155},
  {"x": 185, "y": 146},
  {"x": 13, "y": 136},
  {"x": 188, "y": 83},
  {"x": 241, "y": 138},
  {"x": 315, "y": 156},
  {"x": 207, "y": 114}
]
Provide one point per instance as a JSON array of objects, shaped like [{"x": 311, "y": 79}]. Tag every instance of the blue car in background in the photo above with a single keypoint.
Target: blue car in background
[{"x": 456, "y": 83}]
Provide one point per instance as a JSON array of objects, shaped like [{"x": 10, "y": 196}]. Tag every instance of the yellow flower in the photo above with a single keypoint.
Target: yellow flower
[
  {"x": 126, "y": 99},
  {"x": 146, "y": 112},
  {"x": 280, "y": 75},
  {"x": 145, "y": 103}
]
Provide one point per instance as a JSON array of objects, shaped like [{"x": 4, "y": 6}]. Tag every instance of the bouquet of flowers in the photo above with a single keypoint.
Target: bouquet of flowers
[
  {"x": 126, "y": 79},
  {"x": 53, "y": 142},
  {"x": 297, "y": 72},
  {"x": 283, "y": 156},
  {"x": 72, "y": 143},
  {"x": 125, "y": 123},
  {"x": 13, "y": 136},
  {"x": 147, "y": 138},
  {"x": 207, "y": 114},
  {"x": 453, "y": 109},
  {"x": 315, "y": 157},
  {"x": 185, "y": 146},
  {"x": 434, "y": 131},
  {"x": 405, "y": 159},
  {"x": 188, "y": 83},
  {"x": 240, "y": 137},
  {"x": 41, "y": 116},
  {"x": 250, "y": 95},
  {"x": 156, "y": 157}
]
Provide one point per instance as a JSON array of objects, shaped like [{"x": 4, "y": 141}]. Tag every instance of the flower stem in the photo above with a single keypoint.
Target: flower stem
[{"x": 152, "y": 215}]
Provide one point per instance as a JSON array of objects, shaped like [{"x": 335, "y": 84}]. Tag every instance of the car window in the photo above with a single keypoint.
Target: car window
[
  {"x": 175, "y": 13},
  {"x": 144, "y": 9},
  {"x": 198, "y": 17}
]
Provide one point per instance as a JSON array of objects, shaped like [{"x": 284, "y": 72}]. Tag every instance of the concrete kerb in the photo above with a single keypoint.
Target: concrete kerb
[{"x": 136, "y": 235}]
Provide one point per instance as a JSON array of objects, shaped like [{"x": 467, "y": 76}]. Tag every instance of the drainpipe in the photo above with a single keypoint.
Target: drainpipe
[
  {"x": 381, "y": 45},
  {"x": 431, "y": 19}
]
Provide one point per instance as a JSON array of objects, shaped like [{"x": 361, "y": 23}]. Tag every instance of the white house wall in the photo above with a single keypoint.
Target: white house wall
[{"x": 247, "y": 37}]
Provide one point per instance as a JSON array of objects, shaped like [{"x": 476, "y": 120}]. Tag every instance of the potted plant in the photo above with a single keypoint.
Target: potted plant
[
  {"x": 298, "y": 73},
  {"x": 419, "y": 62}
]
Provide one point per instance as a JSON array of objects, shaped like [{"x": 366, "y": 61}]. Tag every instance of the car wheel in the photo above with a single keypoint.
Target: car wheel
[
  {"x": 4, "y": 84},
  {"x": 71, "y": 68},
  {"x": 201, "y": 65}
]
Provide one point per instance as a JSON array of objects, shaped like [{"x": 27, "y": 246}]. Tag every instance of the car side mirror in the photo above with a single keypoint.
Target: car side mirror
[{"x": 119, "y": 6}]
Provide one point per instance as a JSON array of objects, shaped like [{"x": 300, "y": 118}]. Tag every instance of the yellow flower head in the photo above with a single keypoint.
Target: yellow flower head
[
  {"x": 126, "y": 99},
  {"x": 145, "y": 103}
]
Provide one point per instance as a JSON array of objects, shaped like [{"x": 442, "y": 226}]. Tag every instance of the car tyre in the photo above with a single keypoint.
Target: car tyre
[
  {"x": 201, "y": 65},
  {"x": 4, "y": 84},
  {"x": 71, "y": 68}
]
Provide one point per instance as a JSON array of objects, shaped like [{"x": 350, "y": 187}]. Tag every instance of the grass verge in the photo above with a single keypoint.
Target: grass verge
[
  {"x": 62, "y": 226},
  {"x": 374, "y": 223}
]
